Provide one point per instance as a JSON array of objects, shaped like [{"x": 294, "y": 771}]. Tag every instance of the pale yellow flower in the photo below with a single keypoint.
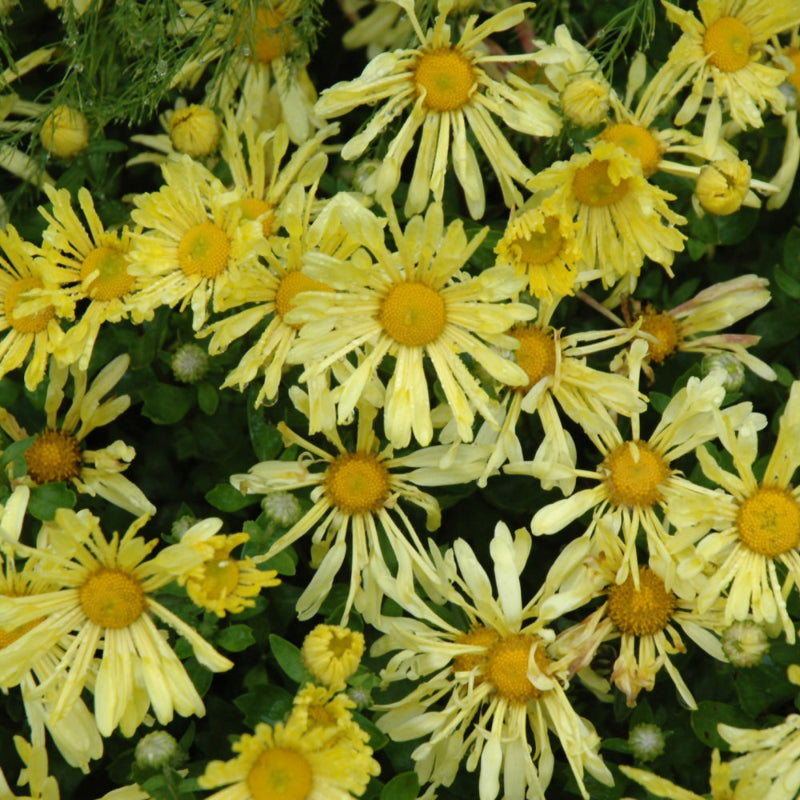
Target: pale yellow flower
[{"x": 332, "y": 653}]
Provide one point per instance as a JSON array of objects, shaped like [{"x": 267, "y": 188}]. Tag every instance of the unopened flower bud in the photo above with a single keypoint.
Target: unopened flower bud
[
  {"x": 182, "y": 524},
  {"x": 65, "y": 132},
  {"x": 190, "y": 363},
  {"x": 585, "y": 101},
  {"x": 282, "y": 508},
  {"x": 646, "y": 741},
  {"x": 194, "y": 130},
  {"x": 156, "y": 750},
  {"x": 745, "y": 643},
  {"x": 723, "y": 185},
  {"x": 729, "y": 364}
]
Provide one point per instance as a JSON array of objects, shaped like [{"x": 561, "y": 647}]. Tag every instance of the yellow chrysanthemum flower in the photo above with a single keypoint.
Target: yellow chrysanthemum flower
[
  {"x": 620, "y": 217},
  {"x": 332, "y": 653},
  {"x": 58, "y": 453},
  {"x": 197, "y": 247},
  {"x": 445, "y": 89},
  {"x": 484, "y": 691},
  {"x": 101, "y": 591},
  {"x": 413, "y": 302},
  {"x": 752, "y": 526},
  {"x": 300, "y": 758}
]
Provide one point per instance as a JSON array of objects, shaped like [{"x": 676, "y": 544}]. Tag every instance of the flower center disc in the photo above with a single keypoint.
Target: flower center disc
[
  {"x": 270, "y": 37},
  {"x": 481, "y": 636},
  {"x": 30, "y": 323},
  {"x": 291, "y": 285},
  {"x": 112, "y": 598},
  {"x": 634, "y": 475},
  {"x": 204, "y": 250},
  {"x": 507, "y": 667},
  {"x": 54, "y": 456},
  {"x": 8, "y": 637},
  {"x": 280, "y": 774},
  {"x": 637, "y": 141},
  {"x": 221, "y": 575},
  {"x": 536, "y": 353},
  {"x": 413, "y": 314},
  {"x": 357, "y": 483},
  {"x": 447, "y": 78},
  {"x": 793, "y": 54},
  {"x": 769, "y": 521},
  {"x": 727, "y": 43},
  {"x": 643, "y": 611},
  {"x": 106, "y": 269},
  {"x": 253, "y": 209},
  {"x": 665, "y": 328},
  {"x": 540, "y": 247},
  {"x": 592, "y": 185}
]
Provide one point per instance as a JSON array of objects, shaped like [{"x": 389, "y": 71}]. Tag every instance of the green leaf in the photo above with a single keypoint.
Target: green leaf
[
  {"x": 14, "y": 454},
  {"x": 165, "y": 404},
  {"x": 289, "y": 658},
  {"x": 763, "y": 688},
  {"x": 235, "y": 638},
  {"x": 228, "y": 498},
  {"x": 709, "y": 714},
  {"x": 208, "y": 398},
  {"x": 791, "y": 253},
  {"x": 404, "y": 786},
  {"x": 265, "y": 437},
  {"x": 377, "y": 738},
  {"x": 47, "y": 499},
  {"x": 268, "y": 704},
  {"x": 735, "y": 228},
  {"x": 787, "y": 284}
]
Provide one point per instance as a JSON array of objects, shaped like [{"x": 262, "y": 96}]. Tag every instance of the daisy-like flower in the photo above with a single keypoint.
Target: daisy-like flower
[
  {"x": 28, "y": 321},
  {"x": 101, "y": 591},
  {"x": 444, "y": 89},
  {"x": 299, "y": 758},
  {"x": 411, "y": 303},
  {"x": 57, "y": 453},
  {"x": 355, "y": 498},
  {"x": 621, "y": 218},
  {"x": 332, "y": 653},
  {"x": 215, "y": 580},
  {"x": 723, "y": 56},
  {"x": 383, "y": 28},
  {"x": 95, "y": 262},
  {"x": 636, "y": 477},
  {"x": 196, "y": 246},
  {"x": 751, "y": 527},
  {"x": 647, "y": 618},
  {"x": 483, "y": 689},
  {"x": 694, "y": 326}
]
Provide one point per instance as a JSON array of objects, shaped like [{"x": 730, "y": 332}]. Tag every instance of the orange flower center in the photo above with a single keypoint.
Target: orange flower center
[
  {"x": 30, "y": 323},
  {"x": 106, "y": 270},
  {"x": 536, "y": 353},
  {"x": 539, "y": 247},
  {"x": 727, "y": 43},
  {"x": 638, "y": 142},
  {"x": 643, "y": 611},
  {"x": 447, "y": 78},
  {"x": 413, "y": 314},
  {"x": 665, "y": 328},
  {"x": 280, "y": 774},
  {"x": 271, "y": 38},
  {"x": 290, "y": 286},
  {"x": 634, "y": 475},
  {"x": 357, "y": 483},
  {"x": 506, "y": 667},
  {"x": 592, "y": 186},
  {"x": 112, "y": 598},
  {"x": 480, "y": 636},
  {"x": 54, "y": 456},
  {"x": 204, "y": 250},
  {"x": 253, "y": 209},
  {"x": 769, "y": 521}
]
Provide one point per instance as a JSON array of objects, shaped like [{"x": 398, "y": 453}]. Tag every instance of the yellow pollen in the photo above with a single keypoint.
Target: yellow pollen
[
  {"x": 357, "y": 483},
  {"x": 481, "y": 636},
  {"x": 536, "y": 353},
  {"x": 643, "y": 611},
  {"x": 54, "y": 456},
  {"x": 793, "y": 54},
  {"x": 666, "y": 329},
  {"x": 637, "y": 141},
  {"x": 253, "y": 208},
  {"x": 592, "y": 186},
  {"x": 290, "y": 286},
  {"x": 110, "y": 270},
  {"x": 221, "y": 575},
  {"x": 30, "y": 323},
  {"x": 112, "y": 598},
  {"x": 413, "y": 314},
  {"x": 280, "y": 774},
  {"x": 769, "y": 521},
  {"x": 539, "y": 247},
  {"x": 634, "y": 475},
  {"x": 727, "y": 43},
  {"x": 8, "y": 637},
  {"x": 506, "y": 667},
  {"x": 204, "y": 250},
  {"x": 447, "y": 77}
]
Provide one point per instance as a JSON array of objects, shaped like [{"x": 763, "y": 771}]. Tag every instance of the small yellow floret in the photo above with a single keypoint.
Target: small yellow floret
[
  {"x": 769, "y": 521},
  {"x": 643, "y": 611}
]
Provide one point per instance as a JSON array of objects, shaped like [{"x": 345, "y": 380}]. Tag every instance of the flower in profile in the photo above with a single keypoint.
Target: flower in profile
[
  {"x": 101, "y": 593},
  {"x": 28, "y": 320},
  {"x": 58, "y": 453},
  {"x": 620, "y": 217},
  {"x": 484, "y": 691},
  {"x": 299, "y": 758},
  {"x": 752, "y": 527},
  {"x": 415, "y": 303},
  {"x": 446, "y": 89},
  {"x": 196, "y": 247},
  {"x": 94, "y": 262},
  {"x": 332, "y": 653}
]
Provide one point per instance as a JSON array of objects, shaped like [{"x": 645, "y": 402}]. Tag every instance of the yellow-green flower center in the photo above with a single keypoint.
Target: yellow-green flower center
[
  {"x": 727, "y": 43},
  {"x": 413, "y": 314},
  {"x": 769, "y": 521},
  {"x": 280, "y": 774},
  {"x": 221, "y": 575},
  {"x": 536, "y": 353},
  {"x": 253, "y": 209},
  {"x": 637, "y": 141},
  {"x": 539, "y": 247},
  {"x": 357, "y": 483},
  {"x": 506, "y": 667},
  {"x": 643, "y": 611},
  {"x": 634, "y": 475},
  {"x": 447, "y": 78},
  {"x": 54, "y": 456},
  {"x": 204, "y": 250},
  {"x": 290, "y": 286},
  {"x": 30, "y": 323},
  {"x": 592, "y": 185},
  {"x": 112, "y": 598},
  {"x": 106, "y": 269},
  {"x": 665, "y": 328}
]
